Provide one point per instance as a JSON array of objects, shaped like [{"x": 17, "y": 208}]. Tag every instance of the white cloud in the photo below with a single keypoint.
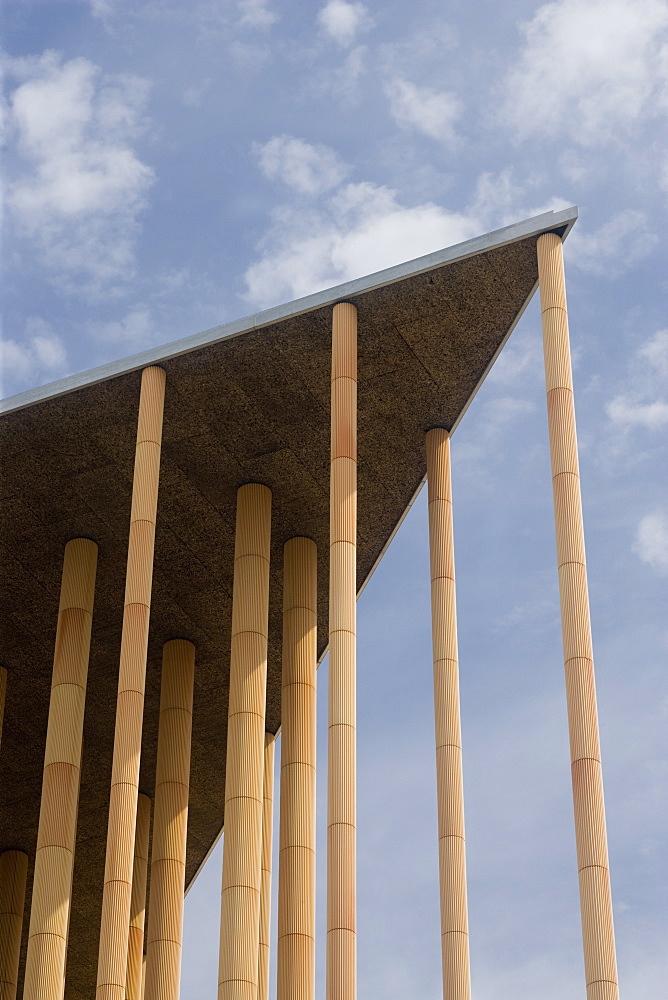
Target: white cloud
[
  {"x": 256, "y": 14},
  {"x": 102, "y": 8},
  {"x": 429, "y": 111},
  {"x": 656, "y": 352},
  {"x": 340, "y": 83},
  {"x": 627, "y": 413},
  {"x": 134, "y": 331},
  {"x": 82, "y": 185},
  {"x": 307, "y": 168},
  {"x": 614, "y": 247},
  {"x": 360, "y": 229},
  {"x": 521, "y": 359},
  {"x": 641, "y": 405},
  {"x": 589, "y": 69},
  {"x": 38, "y": 356},
  {"x": 651, "y": 542},
  {"x": 343, "y": 20}
]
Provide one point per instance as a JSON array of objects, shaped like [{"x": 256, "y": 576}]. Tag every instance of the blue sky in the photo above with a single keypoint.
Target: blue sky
[{"x": 170, "y": 166}]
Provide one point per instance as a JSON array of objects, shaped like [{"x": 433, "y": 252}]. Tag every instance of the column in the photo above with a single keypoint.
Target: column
[
  {"x": 56, "y": 836},
  {"x": 242, "y": 851},
  {"x": 450, "y": 792},
  {"x": 13, "y": 871},
  {"x": 296, "y": 866},
  {"x": 592, "y": 849},
  {"x": 265, "y": 891},
  {"x": 170, "y": 822},
  {"x": 133, "y": 977},
  {"x": 341, "y": 833},
  {"x": 117, "y": 893}
]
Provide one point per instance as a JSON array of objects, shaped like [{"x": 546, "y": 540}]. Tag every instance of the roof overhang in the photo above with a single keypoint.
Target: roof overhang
[{"x": 246, "y": 401}]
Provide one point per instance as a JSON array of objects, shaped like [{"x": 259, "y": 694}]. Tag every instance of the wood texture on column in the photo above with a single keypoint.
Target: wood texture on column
[
  {"x": 170, "y": 822},
  {"x": 592, "y": 849},
  {"x": 242, "y": 849},
  {"x": 13, "y": 871},
  {"x": 117, "y": 893},
  {"x": 296, "y": 865},
  {"x": 134, "y": 974},
  {"x": 56, "y": 836},
  {"x": 3, "y": 695},
  {"x": 341, "y": 778},
  {"x": 265, "y": 891},
  {"x": 450, "y": 789}
]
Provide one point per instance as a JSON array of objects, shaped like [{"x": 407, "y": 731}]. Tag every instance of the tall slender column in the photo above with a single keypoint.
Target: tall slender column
[
  {"x": 134, "y": 974},
  {"x": 242, "y": 851},
  {"x": 265, "y": 891},
  {"x": 116, "y": 898},
  {"x": 170, "y": 822},
  {"x": 592, "y": 848},
  {"x": 13, "y": 871},
  {"x": 296, "y": 866},
  {"x": 341, "y": 809},
  {"x": 3, "y": 694},
  {"x": 56, "y": 837},
  {"x": 450, "y": 792}
]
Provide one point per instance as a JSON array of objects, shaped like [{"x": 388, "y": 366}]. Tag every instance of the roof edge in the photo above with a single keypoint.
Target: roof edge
[{"x": 561, "y": 222}]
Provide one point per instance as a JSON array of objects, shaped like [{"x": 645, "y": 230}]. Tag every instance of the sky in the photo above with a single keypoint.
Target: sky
[{"x": 171, "y": 165}]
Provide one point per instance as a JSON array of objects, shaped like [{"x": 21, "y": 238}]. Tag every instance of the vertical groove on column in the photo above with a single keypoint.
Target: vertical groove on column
[
  {"x": 296, "y": 866},
  {"x": 242, "y": 850},
  {"x": 56, "y": 837},
  {"x": 341, "y": 810},
  {"x": 13, "y": 871},
  {"x": 117, "y": 893},
  {"x": 3, "y": 695},
  {"x": 592, "y": 850},
  {"x": 450, "y": 789},
  {"x": 265, "y": 891},
  {"x": 134, "y": 975},
  {"x": 170, "y": 822}
]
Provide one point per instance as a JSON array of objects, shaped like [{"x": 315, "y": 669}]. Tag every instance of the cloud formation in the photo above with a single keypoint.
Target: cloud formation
[
  {"x": 80, "y": 186},
  {"x": 642, "y": 404},
  {"x": 309, "y": 169},
  {"x": 40, "y": 356},
  {"x": 589, "y": 69},
  {"x": 256, "y": 14},
  {"x": 615, "y": 246},
  {"x": 343, "y": 21},
  {"x": 651, "y": 541},
  {"x": 359, "y": 228},
  {"x": 431, "y": 112}
]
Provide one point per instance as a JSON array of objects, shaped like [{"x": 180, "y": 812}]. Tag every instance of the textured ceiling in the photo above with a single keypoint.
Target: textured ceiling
[{"x": 252, "y": 408}]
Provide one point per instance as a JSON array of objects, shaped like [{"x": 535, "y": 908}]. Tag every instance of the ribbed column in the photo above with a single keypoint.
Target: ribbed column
[
  {"x": 341, "y": 808},
  {"x": 13, "y": 871},
  {"x": 242, "y": 850},
  {"x": 296, "y": 865},
  {"x": 3, "y": 695},
  {"x": 56, "y": 837},
  {"x": 134, "y": 974},
  {"x": 170, "y": 822},
  {"x": 116, "y": 899},
  {"x": 592, "y": 849},
  {"x": 265, "y": 891},
  {"x": 450, "y": 791}
]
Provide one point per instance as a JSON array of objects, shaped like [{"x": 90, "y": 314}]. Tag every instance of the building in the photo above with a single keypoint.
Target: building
[{"x": 287, "y": 448}]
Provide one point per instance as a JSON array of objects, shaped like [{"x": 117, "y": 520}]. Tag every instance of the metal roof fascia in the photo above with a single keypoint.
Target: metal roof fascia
[{"x": 546, "y": 222}]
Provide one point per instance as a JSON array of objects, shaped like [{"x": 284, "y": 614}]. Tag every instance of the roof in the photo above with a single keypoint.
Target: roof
[{"x": 245, "y": 402}]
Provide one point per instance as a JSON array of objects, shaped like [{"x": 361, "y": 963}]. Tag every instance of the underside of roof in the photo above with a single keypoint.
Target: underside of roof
[{"x": 248, "y": 402}]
